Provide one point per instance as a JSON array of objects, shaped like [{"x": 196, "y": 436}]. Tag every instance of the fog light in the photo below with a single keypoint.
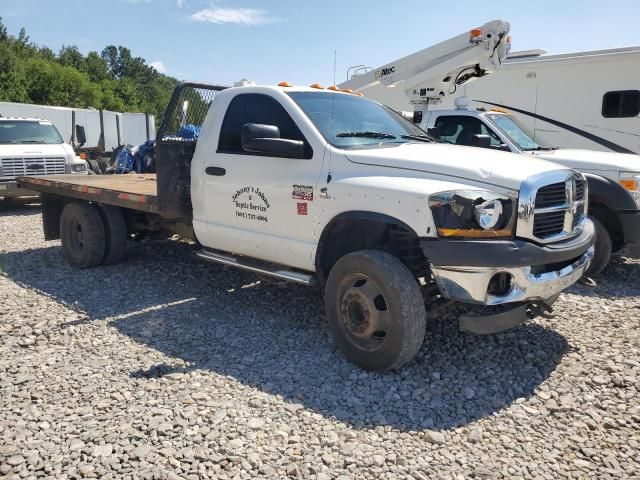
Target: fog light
[{"x": 500, "y": 284}]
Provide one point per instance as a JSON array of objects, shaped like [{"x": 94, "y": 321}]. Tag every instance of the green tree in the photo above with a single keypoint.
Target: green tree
[
  {"x": 96, "y": 68},
  {"x": 115, "y": 79},
  {"x": 71, "y": 56},
  {"x": 3, "y": 31}
]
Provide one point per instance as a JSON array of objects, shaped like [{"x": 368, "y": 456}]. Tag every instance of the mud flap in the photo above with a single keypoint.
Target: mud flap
[{"x": 505, "y": 319}]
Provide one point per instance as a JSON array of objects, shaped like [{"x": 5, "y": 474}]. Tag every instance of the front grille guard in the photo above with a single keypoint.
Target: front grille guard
[{"x": 574, "y": 209}]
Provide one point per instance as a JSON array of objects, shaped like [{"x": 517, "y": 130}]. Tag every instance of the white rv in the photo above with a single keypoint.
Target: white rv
[{"x": 575, "y": 100}]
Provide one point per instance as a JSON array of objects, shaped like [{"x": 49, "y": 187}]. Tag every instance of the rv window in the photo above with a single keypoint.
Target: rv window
[{"x": 621, "y": 104}]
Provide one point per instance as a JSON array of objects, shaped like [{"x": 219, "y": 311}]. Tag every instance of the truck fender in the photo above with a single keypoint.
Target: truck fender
[
  {"x": 616, "y": 210},
  {"x": 360, "y": 230},
  {"x": 608, "y": 193}
]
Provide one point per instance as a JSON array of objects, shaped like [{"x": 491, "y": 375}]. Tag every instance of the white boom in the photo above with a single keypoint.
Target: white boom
[{"x": 434, "y": 72}]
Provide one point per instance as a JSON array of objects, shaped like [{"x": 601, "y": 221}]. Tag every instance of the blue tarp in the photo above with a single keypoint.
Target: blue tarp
[
  {"x": 136, "y": 159},
  {"x": 189, "y": 131}
]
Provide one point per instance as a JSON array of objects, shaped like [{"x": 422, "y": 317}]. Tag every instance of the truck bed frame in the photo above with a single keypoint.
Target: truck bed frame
[{"x": 133, "y": 191}]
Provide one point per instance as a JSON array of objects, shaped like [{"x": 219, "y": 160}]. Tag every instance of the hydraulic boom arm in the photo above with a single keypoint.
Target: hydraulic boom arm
[{"x": 432, "y": 73}]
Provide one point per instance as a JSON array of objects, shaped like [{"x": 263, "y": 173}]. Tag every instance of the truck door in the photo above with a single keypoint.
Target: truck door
[{"x": 262, "y": 205}]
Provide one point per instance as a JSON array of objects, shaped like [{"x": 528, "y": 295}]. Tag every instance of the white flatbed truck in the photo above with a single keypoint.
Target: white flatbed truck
[{"x": 323, "y": 187}]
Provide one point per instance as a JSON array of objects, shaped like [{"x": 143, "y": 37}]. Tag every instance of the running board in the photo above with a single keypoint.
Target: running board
[{"x": 257, "y": 266}]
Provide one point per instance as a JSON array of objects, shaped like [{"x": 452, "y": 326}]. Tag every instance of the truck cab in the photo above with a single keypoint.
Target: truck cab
[
  {"x": 614, "y": 178},
  {"x": 30, "y": 147}
]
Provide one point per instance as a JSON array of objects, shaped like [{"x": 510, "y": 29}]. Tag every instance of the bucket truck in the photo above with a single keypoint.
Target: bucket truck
[{"x": 430, "y": 75}]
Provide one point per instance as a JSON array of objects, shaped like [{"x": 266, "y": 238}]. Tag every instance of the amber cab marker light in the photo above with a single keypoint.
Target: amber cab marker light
[
  {"x": 284, "y": 84},
  {"x": 629, "y": 184},
  {"x": 347, "y": 90},
  {"x": 334, "y": 88},
  {"x": 475, "y": 33},
  {"x": 317, "y": 85}
]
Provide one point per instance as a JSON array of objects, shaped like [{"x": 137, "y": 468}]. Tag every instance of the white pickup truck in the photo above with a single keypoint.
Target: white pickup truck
[
  {"x": 614, "y": 178},
  {"x": 326, "y": 188},
  {"x": 30, "y": 146}
]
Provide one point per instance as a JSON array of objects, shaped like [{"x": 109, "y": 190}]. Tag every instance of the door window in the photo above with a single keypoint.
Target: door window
[
  {"x": 256, "y": 108},
  {"x": 460, "y": 130}
]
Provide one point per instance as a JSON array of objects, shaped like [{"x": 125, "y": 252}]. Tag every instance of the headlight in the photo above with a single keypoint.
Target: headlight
[
  {"x": 80, "y": 167},
  {"x": 472, "y": 213},
  {"x": 631, "y": 183}
]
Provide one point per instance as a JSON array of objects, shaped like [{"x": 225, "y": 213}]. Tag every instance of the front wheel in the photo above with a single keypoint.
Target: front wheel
[{"x": 375, "y": 310}]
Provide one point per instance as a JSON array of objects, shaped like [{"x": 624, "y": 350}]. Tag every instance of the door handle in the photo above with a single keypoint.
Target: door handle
[{"x": 217, "y": 171}]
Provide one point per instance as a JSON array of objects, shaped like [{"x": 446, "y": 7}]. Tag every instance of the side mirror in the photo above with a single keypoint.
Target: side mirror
[
  {"x": 434, "y": 132},
  {"x": 259, "y": 138},
  {"x": 81, "y": 136},
  {"x": 482, "y": 141}
]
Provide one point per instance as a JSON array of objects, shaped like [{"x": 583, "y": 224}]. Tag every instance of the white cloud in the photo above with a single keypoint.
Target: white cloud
[
  {"x": 240, "y": 16},
  {"x": 158, "y": 66}
]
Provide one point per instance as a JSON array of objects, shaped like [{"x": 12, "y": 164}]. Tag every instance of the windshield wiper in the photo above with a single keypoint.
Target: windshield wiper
[
  {"x": 32, "y": 141},
  {"x": 539, "y": 148},
  {"x": 421, "y": 138},
  {"x": 367, "y": 134},
  {"x": 5, "y": 142}
]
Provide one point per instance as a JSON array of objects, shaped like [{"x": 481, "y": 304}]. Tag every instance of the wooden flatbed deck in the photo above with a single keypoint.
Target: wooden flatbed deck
[{"x": 135, "y": 191}]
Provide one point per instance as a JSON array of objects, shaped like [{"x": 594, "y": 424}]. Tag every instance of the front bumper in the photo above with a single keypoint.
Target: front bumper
[
  {"x": 10, "y": 189},
  {"x": 554, "y": 268}
]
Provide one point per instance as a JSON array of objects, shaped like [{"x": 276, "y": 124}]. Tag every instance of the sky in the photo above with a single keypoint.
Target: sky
[{"x": 223, "y": 41}]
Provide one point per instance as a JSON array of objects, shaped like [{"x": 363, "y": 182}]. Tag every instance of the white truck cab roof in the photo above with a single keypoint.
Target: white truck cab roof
[{"x": 23, "y": 119}]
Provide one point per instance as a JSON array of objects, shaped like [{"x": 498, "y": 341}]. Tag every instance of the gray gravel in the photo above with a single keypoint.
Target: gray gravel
[{"x": 166, "y": 367}]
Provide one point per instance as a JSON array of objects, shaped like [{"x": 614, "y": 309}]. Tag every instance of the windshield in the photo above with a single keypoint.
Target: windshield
[
  {"x": 21, "y": 132},
  {"x": 516, "y": 132},
  {"x": 349, "y": 121}
]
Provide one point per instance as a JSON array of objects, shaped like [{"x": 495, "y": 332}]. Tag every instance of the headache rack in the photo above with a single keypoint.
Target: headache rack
[{"x": 175, "y": 144}]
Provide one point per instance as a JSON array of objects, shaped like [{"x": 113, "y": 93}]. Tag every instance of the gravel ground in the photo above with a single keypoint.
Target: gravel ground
[{"x": 167, "y": 367}]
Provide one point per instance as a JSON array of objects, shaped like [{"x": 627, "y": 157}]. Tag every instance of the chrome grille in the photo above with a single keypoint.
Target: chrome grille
[
  {"x": 18, "y": 167},
  {"x": 551, "y": 195},
  {"x": 580, "y": 187},
  {"x": 552, "y": 206},
  {"x": 550, "y": 223},
  {"x": 547, "y": 224}
]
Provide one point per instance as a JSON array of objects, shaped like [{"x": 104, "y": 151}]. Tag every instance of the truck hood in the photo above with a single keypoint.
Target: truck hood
[
  {"x": 592, "y": 159},
  {"x": 35, "y": 150},
  {"x": 503, "y": 169}
]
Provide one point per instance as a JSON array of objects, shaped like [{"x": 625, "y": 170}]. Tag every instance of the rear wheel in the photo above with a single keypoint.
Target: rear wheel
[
  {"x": 375, "y": 310},
  {"x": 115, "y": 234},
  {"x": 82, "y": 235},
  {"x": 603, "y": 248}
]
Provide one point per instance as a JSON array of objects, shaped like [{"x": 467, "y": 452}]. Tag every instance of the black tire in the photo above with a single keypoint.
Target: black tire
[
  {"x": 115, "y": 234},
  {"x": 375, "y": 310},
  {"x": 82, "y": 235},
  {"x": 602, "y": 250}
]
